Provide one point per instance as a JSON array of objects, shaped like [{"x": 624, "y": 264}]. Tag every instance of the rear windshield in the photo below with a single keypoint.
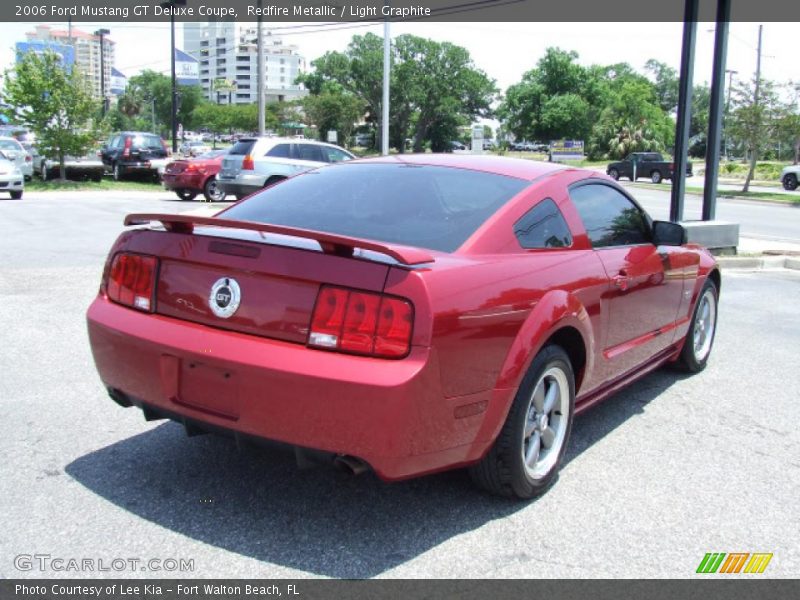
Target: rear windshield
[
  {"x": 10, "y": 145},
  {"x": 424, "y": 206},
  {"x": 242, "y": 147},
  {"x": 146, "y": 141}
]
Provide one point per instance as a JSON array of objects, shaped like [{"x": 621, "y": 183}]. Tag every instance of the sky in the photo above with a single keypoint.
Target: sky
[{"x": 503, "y": 50}]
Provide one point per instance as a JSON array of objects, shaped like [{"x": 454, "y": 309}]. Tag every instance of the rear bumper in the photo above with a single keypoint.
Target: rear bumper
[
  {"x": 182, "y": 182},
  {"x": 390, "y": 413}
]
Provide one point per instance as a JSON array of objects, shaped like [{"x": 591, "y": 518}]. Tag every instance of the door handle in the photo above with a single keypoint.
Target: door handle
[{"x": 621, "y": 280}]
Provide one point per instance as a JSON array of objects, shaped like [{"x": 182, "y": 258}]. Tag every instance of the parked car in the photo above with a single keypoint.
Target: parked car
[
  {"x": 11, "y": 178},
  {"x": 790, "y": 176},
  {"x": 407, "y": 314},
  {"x": 79, "y": 168},
  {"x": 456, "y": 145},
  {"x": 133, "y": 152},
  {"x": 489, "y": 144},
  {"x": 190, "y": 177},
  {"x": 256, "y": 162},
  {"x": 649, "y": 165},
  {"x": 16, "y": 153},
  {"x": 194, "y": 148}
]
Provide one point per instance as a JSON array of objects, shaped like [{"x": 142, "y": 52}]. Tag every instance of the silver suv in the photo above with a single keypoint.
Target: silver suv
[{"x": 256, "y": 162}]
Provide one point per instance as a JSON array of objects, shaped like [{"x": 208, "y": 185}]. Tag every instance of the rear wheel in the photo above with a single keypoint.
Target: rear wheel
[
  {"x": 186, "y": 195},
  {"x": 116, "y": 172},
  {"x": 16, "y": 195},
  {"x": 700, "y": 338},
  {"x": 790, "y": 182},
  {"x": 527, "y": 453},
  {"x": 613, "y": 173},
  {"x": 212, "y": 191},
  {"x": 655, "y": 177}
]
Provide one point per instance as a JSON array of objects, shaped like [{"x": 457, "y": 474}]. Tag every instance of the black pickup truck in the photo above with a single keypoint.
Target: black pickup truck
[{"x": 650, "y": 165}]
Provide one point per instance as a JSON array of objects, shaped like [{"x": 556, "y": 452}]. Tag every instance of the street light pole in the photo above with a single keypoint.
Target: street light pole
[
  {"x": 386, "y": 66},
  {"x": 102, "y": 33},
  {"x": 170, "y": 4}
]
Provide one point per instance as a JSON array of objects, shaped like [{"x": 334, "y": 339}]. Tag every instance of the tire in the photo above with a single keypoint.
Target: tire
[
  {"x": 700, "y": 337},
  {"x": 655, "y": 177},
  {"x": 273, "y": 180},
  {"x": 45, "y": 173},
  {"x": 212, "y": 192},
  {"x": 16, "y": 195},
  {"x": 185, "y": 195},
  {"x": 116, "y": 172},
  {"x": 240, "y": 196},
  {"x": 790, "y": 182},
  {"x": 511, "y": 467},
  {"x": 614, "y": 174},
  {"x": 97, "y": 178}
]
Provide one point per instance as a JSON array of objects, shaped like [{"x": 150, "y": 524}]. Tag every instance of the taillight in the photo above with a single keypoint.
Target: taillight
[
  {"x": 131, "y": 280},
  {"x": 28, "y": 158},
  {"x": 193, "y": 168},
  {"x": 361, "y": 323},
  {"x": 126, "y": 152},
  {"x": 248, "y": 164}
]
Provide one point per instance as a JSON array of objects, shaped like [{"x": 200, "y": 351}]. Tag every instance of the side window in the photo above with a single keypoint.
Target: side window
[
  {"x": 543, "y": 226},
  {"x": 334, "y": 155},
  {"x": 279, "y": 151},
  {"x": 309, "y": 152},
  {"x": 609, "y": 217}
]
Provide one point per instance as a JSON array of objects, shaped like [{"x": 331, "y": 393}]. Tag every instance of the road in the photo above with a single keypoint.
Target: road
[
  {"x": 760, "y": 220},
  {"x": 657, "y": 476}
]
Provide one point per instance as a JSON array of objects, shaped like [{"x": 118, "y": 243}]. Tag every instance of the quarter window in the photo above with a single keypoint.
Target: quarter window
[
  {"x": 543, "y": 226},
  {"x": 609, "y": 217}
]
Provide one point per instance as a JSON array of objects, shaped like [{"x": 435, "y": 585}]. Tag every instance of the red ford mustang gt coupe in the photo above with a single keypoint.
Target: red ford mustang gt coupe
[
  {"x": 190, "y": 177},
  {"x": 406, "y": 314}
]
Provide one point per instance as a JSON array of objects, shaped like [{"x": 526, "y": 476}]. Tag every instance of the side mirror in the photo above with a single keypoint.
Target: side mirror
[{"x": 667, "y": 233}]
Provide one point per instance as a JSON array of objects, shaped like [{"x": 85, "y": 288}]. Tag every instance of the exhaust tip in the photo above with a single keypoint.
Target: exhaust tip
[{"x": 350, "y": 464}]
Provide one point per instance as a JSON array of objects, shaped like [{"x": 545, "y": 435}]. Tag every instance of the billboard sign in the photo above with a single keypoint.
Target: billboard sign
[
  {"x": 118, "y": 82},
  {"x": 187, "y": 69},
  {"x": 65, "y": 53},
  {"x": 566, "y": 150}
]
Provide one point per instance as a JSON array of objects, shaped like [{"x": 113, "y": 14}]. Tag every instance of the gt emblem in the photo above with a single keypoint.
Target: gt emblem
[{"x": 225, "y": 297}]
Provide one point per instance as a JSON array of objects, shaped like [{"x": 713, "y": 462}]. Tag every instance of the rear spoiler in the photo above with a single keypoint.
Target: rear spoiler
[{"x": 331, "y": 243}]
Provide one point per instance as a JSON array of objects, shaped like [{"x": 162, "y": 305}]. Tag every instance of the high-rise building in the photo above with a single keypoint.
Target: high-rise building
[
  {"x": 87, "y": 53},
  {"x": 228, "y": 62}
]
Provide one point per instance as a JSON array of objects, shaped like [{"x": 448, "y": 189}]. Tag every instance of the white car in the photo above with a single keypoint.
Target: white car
[
  {"x": 16, "y": 153},
  {"x": 790, "y": 176},
  {"x": 256, "y": 162},
  {"x": 11, "y": 178}
]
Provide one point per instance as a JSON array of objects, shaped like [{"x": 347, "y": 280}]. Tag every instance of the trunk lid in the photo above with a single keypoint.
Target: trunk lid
[{"x": 277, "y": 284}]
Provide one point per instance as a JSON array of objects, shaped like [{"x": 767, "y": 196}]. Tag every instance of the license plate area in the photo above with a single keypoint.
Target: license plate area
[{"x": 201, "y": 386}]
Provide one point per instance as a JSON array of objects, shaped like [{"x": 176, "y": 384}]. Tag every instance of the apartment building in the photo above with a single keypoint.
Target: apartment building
[
  {"x": 228, "y": 52},
  {"x": 87, "y": 53}
]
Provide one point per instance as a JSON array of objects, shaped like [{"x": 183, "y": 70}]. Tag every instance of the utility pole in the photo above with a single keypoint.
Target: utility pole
[
  {"x": 386, "y": 66},
  {"x": 262, "y": 114},
  {"x": 754, "y": 147},
  {"x": 730, "y": 73}
]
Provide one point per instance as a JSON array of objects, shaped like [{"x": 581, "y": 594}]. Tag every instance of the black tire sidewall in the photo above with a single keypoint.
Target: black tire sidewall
[
  {"x": 206, "y": 192},
  {"x": 688, "y": 358},
  {"x": 655, "y": 177},
  {"x": 790, "y": 182},
  {"x": 521, "y": 483}
]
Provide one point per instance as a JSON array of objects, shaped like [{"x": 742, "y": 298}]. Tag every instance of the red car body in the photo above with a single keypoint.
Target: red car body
[
  {"x": 481, "y": 314},
  {"x": 189, "y": 177}
]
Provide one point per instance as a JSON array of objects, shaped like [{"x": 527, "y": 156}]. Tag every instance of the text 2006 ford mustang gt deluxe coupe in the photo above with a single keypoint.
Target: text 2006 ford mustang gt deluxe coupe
[{"x": 409, "y": 314}]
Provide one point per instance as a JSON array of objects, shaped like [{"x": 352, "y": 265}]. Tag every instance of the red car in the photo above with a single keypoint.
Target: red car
[
  {"x": 407, "y": 314},
  {"x": 190, "y": 177}
]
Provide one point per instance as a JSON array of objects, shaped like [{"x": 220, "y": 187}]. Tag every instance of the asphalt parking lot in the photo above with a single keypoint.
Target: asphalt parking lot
[{"x": 657, "y": 476}]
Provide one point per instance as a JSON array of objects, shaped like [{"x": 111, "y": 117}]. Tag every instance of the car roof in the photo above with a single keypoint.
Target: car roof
[
  {"x": 285, "y": 140},
  {"x": 499, "y": 165}
]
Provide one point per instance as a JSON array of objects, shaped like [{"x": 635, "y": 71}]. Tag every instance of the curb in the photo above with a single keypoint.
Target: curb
[{"x": 756, "y": 263}]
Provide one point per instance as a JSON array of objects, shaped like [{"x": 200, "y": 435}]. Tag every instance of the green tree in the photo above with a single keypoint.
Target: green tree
[
  {"x": 755, "y": 119},
  {"x": 149, "y": 85},
  {"x": 666, "y": 84},
  {"x": 333, "y": 109},
  {"x": 53, "y": 102}
]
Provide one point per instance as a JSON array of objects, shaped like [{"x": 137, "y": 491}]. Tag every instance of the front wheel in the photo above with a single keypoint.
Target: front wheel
[
  {"x": 655, "y": 177},
  {"x": 212, "y": 191},
  {"x": 614, "y": 174},
  {"x": 527, "y": 454},
  {"x": 45, "y": 173},
  {"x": 790, "y": 182},
  {"x": 16, "y": 195},
  {"x": 700, "y": 338}
]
